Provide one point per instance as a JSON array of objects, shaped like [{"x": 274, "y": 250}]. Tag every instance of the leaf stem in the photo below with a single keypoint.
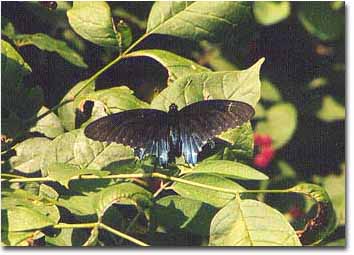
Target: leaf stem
[
  {"x": 77, "y": 225},
  {"x": 120, "y": 234}
]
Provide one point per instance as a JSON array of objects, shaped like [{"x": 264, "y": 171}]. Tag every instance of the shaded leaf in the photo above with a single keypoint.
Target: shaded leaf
[
  {"x": 215, "y": 198},
  {"x": 337, "y": 243},
  {"x": 331, "y": 110},
  {"x": 251, "y": 223},
  {"x": 200, "y": 20},
  {"x": 176, "y": 65},
  {"x": 47, "y": 43},
  {"x": 124, "y": 35},
  {"x": 50, "y": 125},
  {"x": 269, "y": 13},
  {"x": 29, "y": 154},
  {"x": 13, "y": 66},
  {"x": 123, "y": 193},
  {"x": 93, "y": 21},
  {"x": 62, "y": 172},
  {"x": 175, "y": 212},
  {"x": 321, "y": 20},
  {"x": 229, "y": 169},
  {"x": 67, "y": 237},
  {"x": 280, "y": 124},
  {"x": 67, "y": 111}
]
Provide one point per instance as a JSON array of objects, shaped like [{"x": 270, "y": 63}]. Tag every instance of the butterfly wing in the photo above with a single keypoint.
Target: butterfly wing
[
  {"x": 145, "y": 130},
  {"x": 203, "y": 120}
]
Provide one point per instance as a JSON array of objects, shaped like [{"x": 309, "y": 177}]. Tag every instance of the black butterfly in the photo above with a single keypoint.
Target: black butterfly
[{"x": 169, "y": 135}]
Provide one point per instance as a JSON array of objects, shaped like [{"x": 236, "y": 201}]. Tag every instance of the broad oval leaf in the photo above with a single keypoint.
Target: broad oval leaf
[
  {"x": 67, "y": 112},
  {"x": 234, "y": 85},
  {"x": 47, "y": 43},
  {"x": 60, "y": 150},
  {"x": 251, "y": 223},
  {"x": 176, "y": 212},
  {"x": 97, "y": 155},
  {"x": 269, "y": 13},
  {"x": 49, "y": 125},
  {"x": 93, "y": 21},
  {"x": 200, "y": 20},
  {"x": 229, "y": 169},
  {"x": 29, "y": 154},
  {"x": 123, "y": 193},
  {"x": 215, "y": 198},
  {"x": 176, "y": 65},
  {"x": 311, "y": 16},
  {"x": 280, "y": 123}
]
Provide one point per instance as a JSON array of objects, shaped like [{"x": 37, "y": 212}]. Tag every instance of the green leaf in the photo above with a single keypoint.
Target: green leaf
[
  {"x": 93, "y": 21},
  {"x": 78, "y": 205},
  {"x": 7, "y": 28},
  {"x": 68, "y": 237},
  {"x": 23, "y": 211},
  {"x": 235, "y": 85},
  {"x": 13, "y": 66},
  {"x": 97, "y": 155},
  {"x": 175, "y": 212},
  {"x": 241, "y": 140},
  {"x": 200, "y": 20},
  {"x": 63, "y": 173},
  {"x": 29, "y": 154},
  {"x": 16, "y": 238},
  {"x": 67, "y": 111},
  {"x": 50, "y": 125},
  {"x": 215, "y": 198},
  {"x": 331, "y": 110},
  {"x": 115, "y": 99},
  {"x": 123, "y": 193},
  {"x": 326, "y": 216},
  {"x": 260, "y": 111},
  {"x": 269, "y": 92},
  {"x": 60, "y": 150},
  {"x": 229, "y": 169},
  {"x": 280, "y": 123},
  {"x": 270, "y": 13},
  {"x": 47, "y": 192},
  {"x": 251, "y": 223},
  {"x": 320, "y": 20},
  {"x": 47, "y": 43},
  {"x": 176, "y": 65}
]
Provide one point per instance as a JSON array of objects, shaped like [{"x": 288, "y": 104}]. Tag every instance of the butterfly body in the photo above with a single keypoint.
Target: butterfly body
[{"x": 167, "y": 135}]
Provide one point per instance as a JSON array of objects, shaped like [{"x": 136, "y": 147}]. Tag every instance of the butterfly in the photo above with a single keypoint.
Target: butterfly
[{"x": 167, "y": 135}]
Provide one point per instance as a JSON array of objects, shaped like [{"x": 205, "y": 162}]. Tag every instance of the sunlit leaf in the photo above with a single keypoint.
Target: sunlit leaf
[
  {"x": 215, "y": 198},
  {"x": 269, "y": 13},
  {"x": 29, "y": 154},
  {"x": 251, "y": 223},
  {"x": 229, "y": 169},
  {"x": 49, "y": 125},
  {"x": 93, "y": 21},
  {"x": 200, "y": 20}
]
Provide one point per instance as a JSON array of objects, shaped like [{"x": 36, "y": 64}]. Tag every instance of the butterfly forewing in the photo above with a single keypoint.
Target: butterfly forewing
[
  {"x": 145, "y": 129},
  {"x": 203, "y": 120}
]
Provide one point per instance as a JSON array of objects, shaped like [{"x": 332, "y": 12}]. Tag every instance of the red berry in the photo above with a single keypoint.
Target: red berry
[
  {"x": 260, "y": 161},
  {"x": 258, "y": 139},
  {"x": 266, "y": 140},
  {"x": 267, "y": 152}
]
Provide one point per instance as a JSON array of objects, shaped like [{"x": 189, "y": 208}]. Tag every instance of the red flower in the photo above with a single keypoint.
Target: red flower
[{"x": 266, "y": 151}]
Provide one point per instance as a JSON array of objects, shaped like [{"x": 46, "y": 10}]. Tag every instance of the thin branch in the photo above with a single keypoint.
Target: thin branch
[{"x": 123, "y": 235}]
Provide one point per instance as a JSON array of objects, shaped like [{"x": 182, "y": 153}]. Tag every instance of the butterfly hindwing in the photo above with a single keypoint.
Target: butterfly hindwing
[
  {"x": 203, "y": 120},
  {"x": 146, "y": 130}
]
